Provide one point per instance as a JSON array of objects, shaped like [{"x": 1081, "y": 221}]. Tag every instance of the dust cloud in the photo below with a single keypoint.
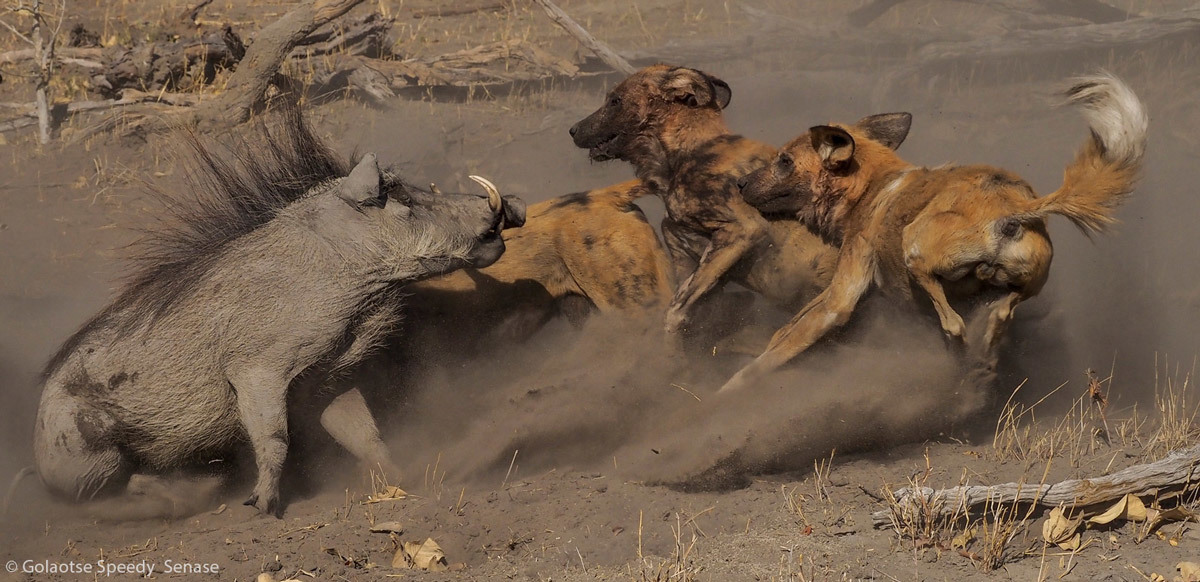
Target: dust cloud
[{"x": 614, "y": 399}]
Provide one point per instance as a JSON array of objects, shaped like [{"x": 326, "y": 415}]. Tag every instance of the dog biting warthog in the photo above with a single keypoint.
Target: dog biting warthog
[{"x": 285, "y": 269}]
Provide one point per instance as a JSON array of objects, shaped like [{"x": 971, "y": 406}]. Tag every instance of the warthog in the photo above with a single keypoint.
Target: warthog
[{"x": 284, "y": 270}]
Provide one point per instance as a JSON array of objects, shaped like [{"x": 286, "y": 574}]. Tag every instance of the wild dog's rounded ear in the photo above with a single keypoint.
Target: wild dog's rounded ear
[
  {"x": 691, "y": 87},
  {"x": 721, "y": 91},
  {"x": 889, "y": 129},
  {"x": 833, "y": 145},
  {"x": 361, "y": 187}
]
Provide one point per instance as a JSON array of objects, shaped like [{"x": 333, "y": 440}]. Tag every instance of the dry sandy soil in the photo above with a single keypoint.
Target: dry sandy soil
[{"x": 578, "y": 456}]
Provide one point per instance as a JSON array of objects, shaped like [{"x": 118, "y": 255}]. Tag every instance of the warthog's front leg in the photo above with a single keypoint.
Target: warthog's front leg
[{"x": 262, "y": 407}]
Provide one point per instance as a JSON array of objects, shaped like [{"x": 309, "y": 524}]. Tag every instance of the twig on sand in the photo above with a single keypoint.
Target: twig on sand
[{"x": 606, "y": 54}]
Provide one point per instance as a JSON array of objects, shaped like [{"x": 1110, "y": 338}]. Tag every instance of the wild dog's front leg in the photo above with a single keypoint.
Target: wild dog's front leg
[
  {"x": 262, "y": 406},
  {"x": 832, "y": 308},
  {"x": 684, "y": 247},
  {"x": 728, "y": 245}
]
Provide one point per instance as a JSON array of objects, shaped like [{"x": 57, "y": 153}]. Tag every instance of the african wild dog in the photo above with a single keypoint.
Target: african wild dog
[
  {"x": 952, "y": 232},
  {"x": 594, "y": 246},
  {"x": 285, "y": 268},
  {"x": 667, "y": 122}
]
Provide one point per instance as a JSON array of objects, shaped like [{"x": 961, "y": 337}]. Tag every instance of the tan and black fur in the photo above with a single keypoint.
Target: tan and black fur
[
  {"x": 667, "y": 122},
  {"x": 938, "y": 234},
  {"x": 596, "y": 246}
]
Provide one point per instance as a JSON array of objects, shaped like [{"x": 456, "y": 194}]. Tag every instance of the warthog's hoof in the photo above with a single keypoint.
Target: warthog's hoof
[{"x": 271, "y": 506}]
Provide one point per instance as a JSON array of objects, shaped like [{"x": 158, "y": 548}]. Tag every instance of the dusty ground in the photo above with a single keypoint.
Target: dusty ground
[{"x": 542, "y": 474}]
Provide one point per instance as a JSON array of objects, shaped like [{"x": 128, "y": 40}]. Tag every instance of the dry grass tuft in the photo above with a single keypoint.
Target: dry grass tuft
[{"x": 680, "y": 566}]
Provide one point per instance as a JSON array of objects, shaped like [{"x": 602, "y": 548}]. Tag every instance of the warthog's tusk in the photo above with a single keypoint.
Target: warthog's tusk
[
  {"x": 434, "y": 189},
  {"x": 493, "y": 194}
]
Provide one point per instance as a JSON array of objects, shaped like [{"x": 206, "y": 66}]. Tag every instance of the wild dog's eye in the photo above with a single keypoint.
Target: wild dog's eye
[{"x": 785, "y": 160}]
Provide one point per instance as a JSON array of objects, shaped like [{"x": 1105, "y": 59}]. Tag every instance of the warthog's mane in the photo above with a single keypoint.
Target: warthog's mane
[{"x": 231, "y": 193}]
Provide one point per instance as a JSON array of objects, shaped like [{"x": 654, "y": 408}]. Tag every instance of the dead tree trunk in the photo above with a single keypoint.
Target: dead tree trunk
[
  {"x": 1179, "y": 469},
  {"x": 41, "y": 56},
  {"x": 606, "y": 54},
  {"x": 271, "y": 46}
]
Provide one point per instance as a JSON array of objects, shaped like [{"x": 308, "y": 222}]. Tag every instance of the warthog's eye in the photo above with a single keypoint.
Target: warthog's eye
[{"x": 614, "y": 101}]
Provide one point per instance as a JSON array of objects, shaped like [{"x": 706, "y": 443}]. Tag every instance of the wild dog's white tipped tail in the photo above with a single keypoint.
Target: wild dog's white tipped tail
[
  {"x": 1106, "y": 168},
  {"x": 1115, "y": 114}
]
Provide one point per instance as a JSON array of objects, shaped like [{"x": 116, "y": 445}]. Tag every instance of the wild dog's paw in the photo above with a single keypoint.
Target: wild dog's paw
[{"x": 675, "y": 320}]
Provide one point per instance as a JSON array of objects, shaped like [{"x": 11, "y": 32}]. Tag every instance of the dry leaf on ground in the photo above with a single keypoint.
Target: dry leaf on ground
[
  {"x": 426, "y": 555},
  {"x": 963, "y": 540},
  {"x": 387, "y": 527},
  {"x": 389, "y": 493},
  {"x": 1060, "y": 530},
  {"x": 1188, "y": 572},
  {"x": 1129, "y": 508}
]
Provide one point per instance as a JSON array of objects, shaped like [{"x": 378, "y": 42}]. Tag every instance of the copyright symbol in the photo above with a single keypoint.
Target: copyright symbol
[{"x": 11, "y": 566}]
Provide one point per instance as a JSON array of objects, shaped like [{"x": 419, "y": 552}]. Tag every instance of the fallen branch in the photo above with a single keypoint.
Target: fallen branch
[
  {"x": 441, "y": 12},
  {"x": 28, "y": 111},
  {"x": 1178, "y": 470},
  {"x": 19, "y": 55},
  {"x": 165, "y": 66},
  {"x": 365, "y": 36},
  {"x": 191, "y": 13},
  {"x": 18, "y": 123},
  {"x": 606, "y": 54}
]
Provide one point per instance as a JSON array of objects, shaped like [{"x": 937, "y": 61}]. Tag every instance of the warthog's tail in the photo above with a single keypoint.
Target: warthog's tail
[
  {"x": 12, "y": 488},
  {"x": 156, "y": 498},
  {"x": 1106, "y": 168}
]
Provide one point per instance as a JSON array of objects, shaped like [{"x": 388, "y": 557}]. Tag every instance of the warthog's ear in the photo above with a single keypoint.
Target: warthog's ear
[
  {"x": 889, "y": 129},
  {"x": 694, "y": 88},
  {"x": 361, "y": 187},
  {"x": 833, "y": 145}
]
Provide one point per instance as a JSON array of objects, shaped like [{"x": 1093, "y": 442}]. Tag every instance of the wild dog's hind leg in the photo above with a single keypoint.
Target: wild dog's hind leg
[
  {"x": 1000, "y": 314},
  {"x": 936, "y": 248},
  {"x": 831, "y": 308},
  {"x": 262, "y": 407}
]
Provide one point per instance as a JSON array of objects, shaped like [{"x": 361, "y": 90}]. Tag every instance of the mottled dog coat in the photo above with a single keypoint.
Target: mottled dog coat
[{"x": 936, "y": 234}]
